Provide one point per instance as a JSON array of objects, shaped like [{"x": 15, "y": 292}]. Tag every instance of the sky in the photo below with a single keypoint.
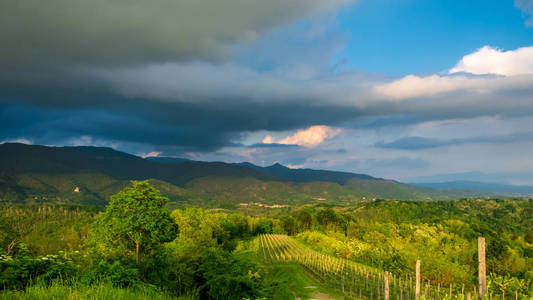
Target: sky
[{"x": 411, "y": 90}]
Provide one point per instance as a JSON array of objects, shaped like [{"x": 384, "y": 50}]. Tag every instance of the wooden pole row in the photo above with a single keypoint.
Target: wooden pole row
[{"x": 348, "y": 277}]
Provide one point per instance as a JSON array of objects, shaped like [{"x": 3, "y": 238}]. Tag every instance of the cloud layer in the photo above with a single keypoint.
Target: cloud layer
[{"x": 206, "y": 81}]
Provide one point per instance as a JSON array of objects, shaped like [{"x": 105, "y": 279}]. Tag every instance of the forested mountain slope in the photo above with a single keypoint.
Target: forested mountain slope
[{"x": 89, "y": 175}]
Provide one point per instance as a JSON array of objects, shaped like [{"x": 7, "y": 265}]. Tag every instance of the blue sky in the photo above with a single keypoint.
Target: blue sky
[
  {"x": 399, "y": 37},
  {"x": 408, "y": 90}
]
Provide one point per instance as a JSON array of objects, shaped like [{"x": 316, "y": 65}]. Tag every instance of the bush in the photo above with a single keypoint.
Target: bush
[
  {"x": 227, "y": 277},
  {"x": 22, "y": 271},
  {"x": 117, "y": 273}
]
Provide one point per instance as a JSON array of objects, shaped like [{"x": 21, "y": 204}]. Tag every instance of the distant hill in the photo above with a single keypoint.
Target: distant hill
[
  {"x": 30, "y": 173},
  {"x": 481, "y": 187},
  {"x": 307, "y": 175},
  {"x": 364, "y": 185},
  {"x": 89, "y": 175},
  {"x": 21, "y": 158}
]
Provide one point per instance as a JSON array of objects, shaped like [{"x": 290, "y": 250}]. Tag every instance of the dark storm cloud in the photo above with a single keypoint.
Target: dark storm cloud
[
  {"x": 135, "y": 125},
  {"x": 189, "y": 126},
  {"x": 67, "y": 69},
  {"x": 99, "y": 32}
]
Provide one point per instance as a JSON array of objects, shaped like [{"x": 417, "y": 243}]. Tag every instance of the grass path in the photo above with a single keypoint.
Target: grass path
[{"x": 303, "y": 285}]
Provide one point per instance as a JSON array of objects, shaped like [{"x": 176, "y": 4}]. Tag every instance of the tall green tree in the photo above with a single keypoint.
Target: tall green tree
[{"x": 136, "y": 219}]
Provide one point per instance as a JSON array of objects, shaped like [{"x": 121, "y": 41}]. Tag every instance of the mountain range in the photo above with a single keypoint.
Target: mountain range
[{"x": 89, "y": 175}]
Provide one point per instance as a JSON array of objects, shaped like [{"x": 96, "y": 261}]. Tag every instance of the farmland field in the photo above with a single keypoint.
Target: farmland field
[{"x": 350, "y": 279}]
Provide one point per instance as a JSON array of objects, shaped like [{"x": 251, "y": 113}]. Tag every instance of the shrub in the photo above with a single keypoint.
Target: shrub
[
  {"x": 117, "y": 273},
  {"x": 21, "y": 271}
]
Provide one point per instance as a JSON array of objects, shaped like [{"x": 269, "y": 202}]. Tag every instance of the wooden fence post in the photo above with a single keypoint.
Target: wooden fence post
[
  {"x": 450, "y": 291},
  {"x": 417, "y": 284},
  {"x": 386, "y": 285},
  {"x": 379, "y": 288},
  {"x": 481, "y": 267}
]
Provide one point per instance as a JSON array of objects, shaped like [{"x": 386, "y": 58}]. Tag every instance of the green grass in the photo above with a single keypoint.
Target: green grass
[
  {"x": 289, "y": 275},
  {"x": 300, "y": 281},
  {"x": 77, "y": 291}
]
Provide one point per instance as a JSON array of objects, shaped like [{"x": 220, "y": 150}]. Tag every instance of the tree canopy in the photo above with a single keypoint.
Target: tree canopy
[{"x": 136, "y": 220}]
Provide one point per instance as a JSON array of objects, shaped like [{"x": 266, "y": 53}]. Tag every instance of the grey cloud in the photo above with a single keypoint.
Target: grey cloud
[
  {"x": 414, "y": 143},
  {"x": 401, "y": 162},
  {"x": 527, "y": 8},
  {"x": 207, "y": 83},
  {"x": 418, "y": 143}
]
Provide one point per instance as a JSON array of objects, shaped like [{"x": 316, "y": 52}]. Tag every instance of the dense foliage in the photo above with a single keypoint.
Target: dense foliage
[{"x": 211, "y": 255}]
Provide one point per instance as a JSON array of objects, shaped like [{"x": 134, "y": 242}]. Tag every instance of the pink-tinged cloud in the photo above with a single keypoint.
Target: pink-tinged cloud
[
  {"x": 310, "y": 137},
  {"x": 268, "y": 139},
  {"x": 151, "y": 154},
  {"x": 291, "y": 166}
]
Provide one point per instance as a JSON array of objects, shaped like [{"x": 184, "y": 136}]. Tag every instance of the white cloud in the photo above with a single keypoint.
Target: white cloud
[
  {"x": 19, "y": 140},
  {"x": 484, "y": 72},
  {"x": 413, "y": 86},
  {"x": 310, "y": 137},
  {"x": 467, "y": 88},
  {"x": 490, "y": 60}
]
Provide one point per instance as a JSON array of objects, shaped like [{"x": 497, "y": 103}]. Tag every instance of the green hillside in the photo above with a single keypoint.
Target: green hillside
[{"x": 89, "y": 175}]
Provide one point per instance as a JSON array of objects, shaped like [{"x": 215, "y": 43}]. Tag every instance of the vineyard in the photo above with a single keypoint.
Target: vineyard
[{"x": 352, "y": 279}]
